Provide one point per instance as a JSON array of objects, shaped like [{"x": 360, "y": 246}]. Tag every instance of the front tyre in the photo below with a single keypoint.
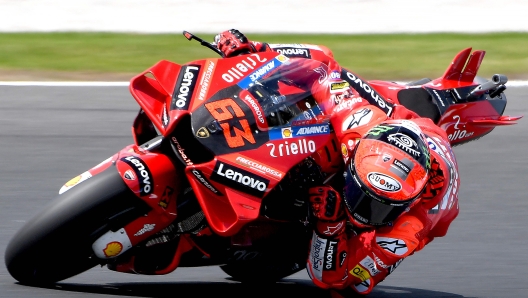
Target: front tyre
[{"x": 56, "y": 244}]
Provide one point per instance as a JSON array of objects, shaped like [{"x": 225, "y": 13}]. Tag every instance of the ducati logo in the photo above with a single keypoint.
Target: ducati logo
[
  {"x": 129, "y": 175},
  {"x": 202, "y": 133}
]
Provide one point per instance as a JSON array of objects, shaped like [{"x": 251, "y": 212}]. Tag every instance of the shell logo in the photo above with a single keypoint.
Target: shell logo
[
  {"x": 344, "y": 150},
  {"x": 282, "y": 58},
  {"x": 112, "y": 249},
  {"x": 286, "y": 132},
  {"x": 73, "y": 181}
]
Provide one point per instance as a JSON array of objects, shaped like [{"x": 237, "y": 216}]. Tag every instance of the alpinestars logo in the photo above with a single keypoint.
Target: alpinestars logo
[
  {"x": 240, "y": 179},
  {"x": 359, "y": 118},
  {"x": 393, "y": 245},
  {"x": 185, "y": 87},
  {"x": 146, "y": 182}
]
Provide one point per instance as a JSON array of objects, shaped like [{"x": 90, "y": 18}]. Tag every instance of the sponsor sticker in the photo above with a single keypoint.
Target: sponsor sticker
[
  {"x": 240, "y": 179},
  {"x": 401, "y": 168},
  {"x": 330, "y": 258},
  {"x": 383, "y": 182},
  {"x": 299, "y": 131},
  {"x": 360, "y": 273},
  {"x": 367, "y": 92},
  {"x": 392, "y": 245},
  {"x": 245, "y": 66},
  {"x": 184, "y": 88},
  {"x": 370, "y": 265},
  {"x": 261, "y": 71},
  {"x": 317, "y": 255},
  {"x": 146, "y": 183},
  {"x": 357, "y": 119},
  {"x": 201, "y": 178},
  {"x": 129, "y": 175},
  {"x": 146, "y": 228},
  {"x": 75, "y": 181},
  {"x": 291, "y": 147},
  {"x": 339, "y": 86},
  {"x": 405, "y": 142},
  {"x": 335, "y": 75},
  {"x": 294, "y": 52},
  {"x": 205, "y": 80},
  {"x": 257, "y": 166},
  {"x": 393, "y": 267},
  {"x": 112, "y": 249}
]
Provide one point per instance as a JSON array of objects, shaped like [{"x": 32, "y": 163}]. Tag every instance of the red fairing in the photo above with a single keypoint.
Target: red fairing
[
  {"x": 462, "y": 122},
  {"x": 153, "y": 178}
]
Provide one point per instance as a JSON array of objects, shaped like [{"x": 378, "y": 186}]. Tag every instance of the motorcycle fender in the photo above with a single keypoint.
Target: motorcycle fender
[
  {"x": 88, "y": 174},
  {"x": 151, "y": 176}
]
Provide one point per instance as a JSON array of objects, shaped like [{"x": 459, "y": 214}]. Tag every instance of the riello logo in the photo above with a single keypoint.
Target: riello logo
[{"x": 240, "y": 179}]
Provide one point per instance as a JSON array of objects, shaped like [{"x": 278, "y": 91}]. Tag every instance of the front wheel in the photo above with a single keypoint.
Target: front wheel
[{"x": 56, "y": 244}]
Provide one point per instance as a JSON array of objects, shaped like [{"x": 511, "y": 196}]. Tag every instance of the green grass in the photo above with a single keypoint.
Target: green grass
[{"x": 379, "y": 56}]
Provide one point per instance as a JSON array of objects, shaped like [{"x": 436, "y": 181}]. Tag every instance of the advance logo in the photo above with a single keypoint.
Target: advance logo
[{"x": 239, "y": 179}]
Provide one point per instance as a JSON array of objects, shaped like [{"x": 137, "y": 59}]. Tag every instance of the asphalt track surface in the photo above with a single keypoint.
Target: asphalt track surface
[{"x": 51, "y": 134}]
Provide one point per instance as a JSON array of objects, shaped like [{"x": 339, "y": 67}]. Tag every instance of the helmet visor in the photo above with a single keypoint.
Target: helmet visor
[{"x": 367, "y": 208}]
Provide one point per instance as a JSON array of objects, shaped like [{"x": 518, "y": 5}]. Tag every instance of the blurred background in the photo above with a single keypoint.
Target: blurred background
[
  {"x": 113, "y": 40},
  {"x": 270, "y": 16}
]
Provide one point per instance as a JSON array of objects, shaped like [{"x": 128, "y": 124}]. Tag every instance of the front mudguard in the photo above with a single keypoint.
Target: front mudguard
[
  {"x": 155, "y": 179},
  {"x": 152, "y": 177}
]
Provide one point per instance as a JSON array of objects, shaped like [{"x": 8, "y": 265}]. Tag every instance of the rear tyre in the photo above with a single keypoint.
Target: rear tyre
[
  {"x": 258, "y": 273},
  {"x": 272, "y": 258},
  {"x": 56, "y": 244}
]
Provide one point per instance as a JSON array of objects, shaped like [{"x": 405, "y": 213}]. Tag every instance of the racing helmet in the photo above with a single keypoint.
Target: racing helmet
[{"x": 387, "y": 173}]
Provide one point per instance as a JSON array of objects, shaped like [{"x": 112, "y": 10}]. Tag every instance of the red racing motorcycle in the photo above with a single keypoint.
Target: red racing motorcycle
[{"x": 224, "y": 153}]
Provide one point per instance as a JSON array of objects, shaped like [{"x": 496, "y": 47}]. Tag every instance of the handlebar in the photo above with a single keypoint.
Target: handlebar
[{"x": 204, "y": 43}]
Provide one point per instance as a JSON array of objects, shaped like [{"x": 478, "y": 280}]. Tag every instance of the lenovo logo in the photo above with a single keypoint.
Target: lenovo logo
[
  {"x": 185, "y": 87},
  {"x": 240, "y": 179}
]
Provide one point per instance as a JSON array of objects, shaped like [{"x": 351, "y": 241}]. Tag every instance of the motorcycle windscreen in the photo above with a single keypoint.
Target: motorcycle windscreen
[{"x": 241, "y": 117}]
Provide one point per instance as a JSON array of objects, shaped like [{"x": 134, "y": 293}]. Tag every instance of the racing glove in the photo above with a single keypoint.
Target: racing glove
[
  {"x": 327, "y": 262},
  {"x": 326, "y": 206},
  {"x": 232, "y": 43}
]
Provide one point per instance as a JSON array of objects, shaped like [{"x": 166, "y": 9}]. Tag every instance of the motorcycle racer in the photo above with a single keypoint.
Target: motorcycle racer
[
  {"x": 400, "y": 184},
  {"x": 400, "y": 192}
]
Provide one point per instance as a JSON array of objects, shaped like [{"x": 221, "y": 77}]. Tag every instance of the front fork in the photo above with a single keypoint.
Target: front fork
[{"x": 154, "y": 178}]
